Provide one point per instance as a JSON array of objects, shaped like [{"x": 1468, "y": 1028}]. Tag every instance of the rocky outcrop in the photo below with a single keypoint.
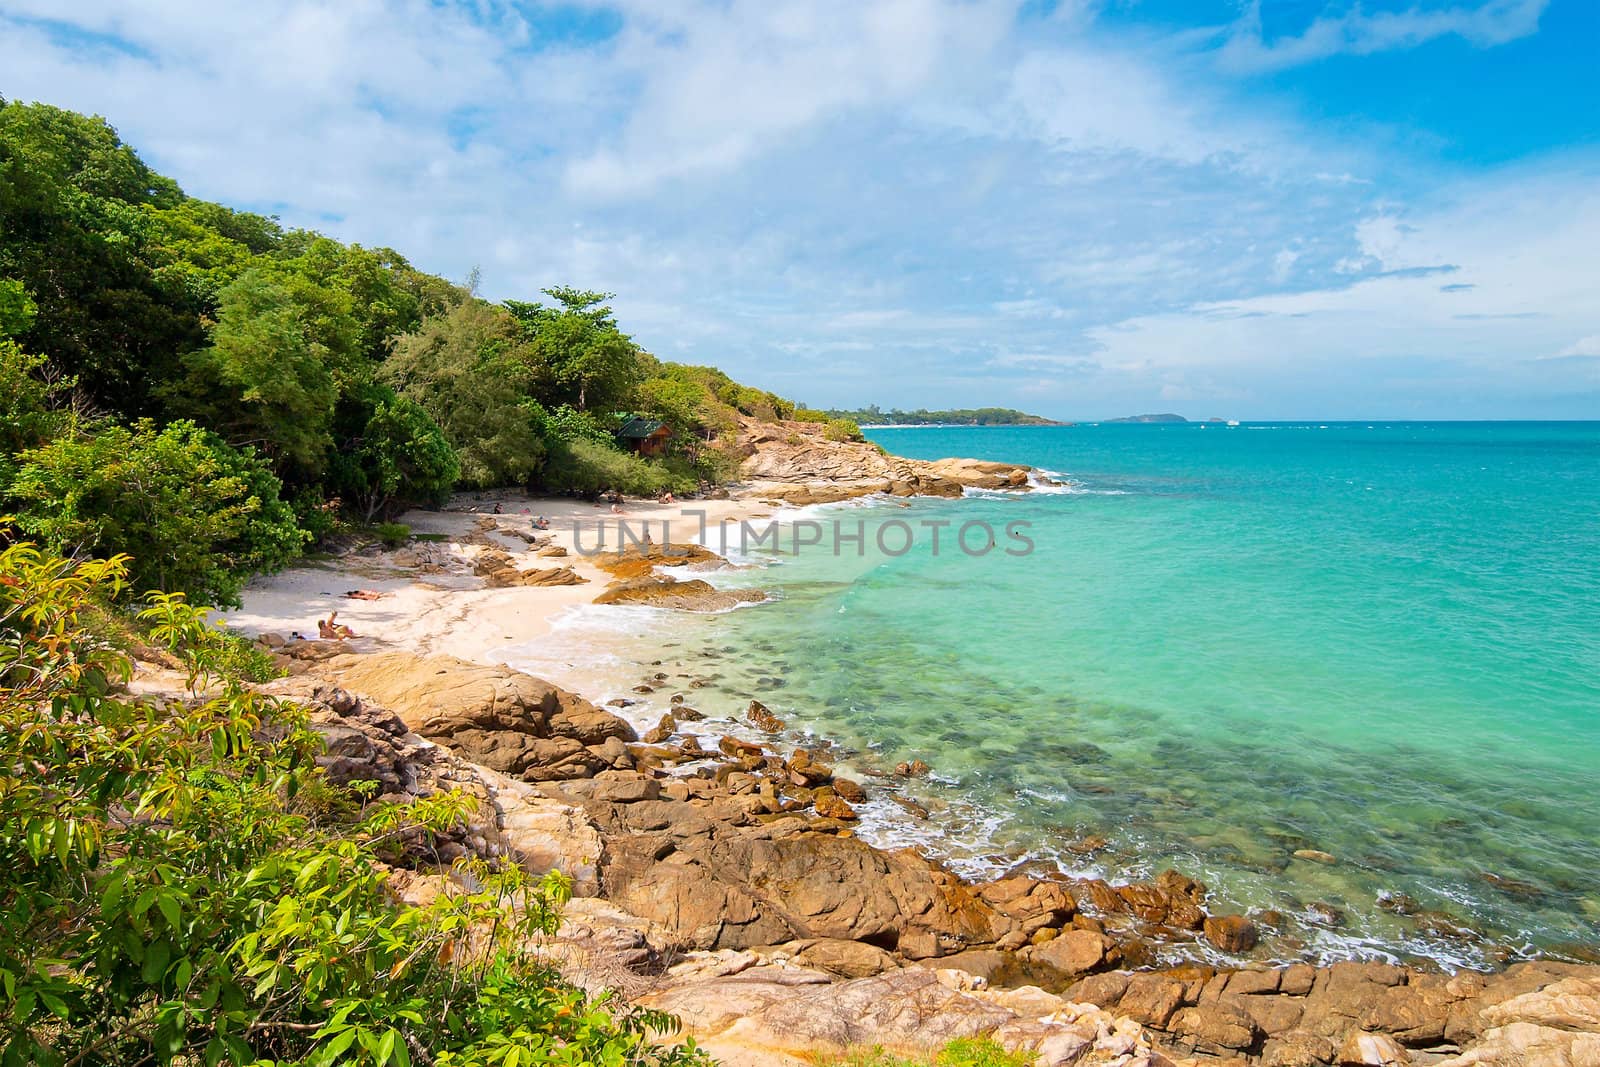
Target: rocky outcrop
[
  {"x": 692, "y": 595},
  {"x": 795, "y": 462},
  {"x": 754, "y": 1010},
  {"x": 710, "y": 883},
  {"x": 502, "y": 719},
  {"x": 1363, "y": 1013},
  {"x": 366, "y": 742},
  {"x": 499, "y": 571},
  {"x": 639, "y": 582}
]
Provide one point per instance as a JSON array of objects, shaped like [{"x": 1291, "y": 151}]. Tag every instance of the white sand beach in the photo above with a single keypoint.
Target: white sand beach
[{"x": 444, "y": 608}]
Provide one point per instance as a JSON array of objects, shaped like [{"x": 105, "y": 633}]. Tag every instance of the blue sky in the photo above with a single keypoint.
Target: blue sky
[{"x": 1290, "y": 208}]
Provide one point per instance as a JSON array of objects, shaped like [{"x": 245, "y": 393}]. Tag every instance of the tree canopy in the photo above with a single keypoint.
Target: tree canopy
[{"x": 147, "y": 333}]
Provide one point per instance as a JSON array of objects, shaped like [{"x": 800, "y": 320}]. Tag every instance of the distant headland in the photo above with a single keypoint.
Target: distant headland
[{"x": 875, "y": 416}]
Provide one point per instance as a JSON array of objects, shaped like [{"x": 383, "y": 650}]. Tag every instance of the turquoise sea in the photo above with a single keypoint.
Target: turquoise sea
[{"x": 1378, "y": 641}]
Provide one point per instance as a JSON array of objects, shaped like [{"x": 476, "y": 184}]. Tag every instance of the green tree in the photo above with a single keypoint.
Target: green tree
[
  {"x": 575, "y": 351},
  {"x": 462, "y": 368},
  {"x": 264, "y": 382},
  {"x": 29, "y": 415},
  {"x": 17, "y": 309},
  {"x": 196, "y": 515},
  {"x": 74, "y": 229},
  {"x": 401, "y": 457}
]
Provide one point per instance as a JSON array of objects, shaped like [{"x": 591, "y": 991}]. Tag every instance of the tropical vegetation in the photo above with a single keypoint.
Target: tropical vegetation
[{"x": 210, "y": 391}]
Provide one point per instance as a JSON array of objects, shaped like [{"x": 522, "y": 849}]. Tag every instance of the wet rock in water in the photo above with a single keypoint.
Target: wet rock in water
[
  {"x": 1231, "y": 933},
  {"x": 830, "y": 805},
  {"x": 684, "y": 713},
  {"x": 642, "y": 688},
  {"x": 912, "y": 769},
  {"x": 732, "y": 746},
  {"x": 761, "y": 718},
  {"x": 910, "y": 805},
  {"x": 806, "y": 772},
  {"x": 621, "y": 702},
  {"x": 1316, "y": 856},
  {"x": 1321, "y": 913},
  {"x": 1087, "y": 845},
  {"x": 1513, "y": 886},
  {"x": 662, "y": 730},
  {"x": 692, "y": 595},
  {"x": 1399, "y": 903},
  {"x": 850, "y": 790}
]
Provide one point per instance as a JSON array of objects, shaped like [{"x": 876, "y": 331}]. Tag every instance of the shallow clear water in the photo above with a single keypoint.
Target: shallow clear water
[{"x": 1228, "y": 644}]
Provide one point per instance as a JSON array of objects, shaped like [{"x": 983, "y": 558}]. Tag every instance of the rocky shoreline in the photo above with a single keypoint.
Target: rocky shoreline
[
  {"x": 724, "y": 879},
  {"x": 728, "y": 887}
]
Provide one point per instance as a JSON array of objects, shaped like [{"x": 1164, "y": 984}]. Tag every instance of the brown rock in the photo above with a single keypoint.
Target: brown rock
[
  {"x": 762, "y": 718},
  {"x": 914, "y": 769},
  {"x": 719, "y": 886},
  {"x": 831, "y": 806},
  {"x": 1073, "y": 952},
  {"x": 849, "y": 959},
  {"x": 850, "y": 790},
  {"x": 692, "y": 595},
  {"x": 1372, "y": 1050},
  {"x": 623, "y": 788},
  {"x": 1297, "y": 1048},
  {"x": 732, "y": 746},
  {"x": 1031, "y": 902},
  {"x": 1231, "y": 933},
  {"x": 1151, "y": 999},
  {"x": 502, "y": 719},
  {"x": 1216, "y": 1027},
  {"x": 1104, "y": 990}
]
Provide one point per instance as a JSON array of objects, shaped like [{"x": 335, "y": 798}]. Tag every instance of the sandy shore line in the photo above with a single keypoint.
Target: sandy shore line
[{"x": 450, "y": 611}]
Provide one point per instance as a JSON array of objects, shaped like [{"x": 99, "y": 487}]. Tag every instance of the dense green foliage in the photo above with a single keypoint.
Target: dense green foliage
[
  {"x": 180, "y": 884},
  {"x": 874, "y": 416},
  {"x": 198, "y": 515},
  {"x": 149, "y": 339}
]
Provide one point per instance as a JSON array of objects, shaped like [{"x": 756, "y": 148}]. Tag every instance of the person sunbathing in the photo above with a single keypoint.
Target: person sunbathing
[{"x": 330, "y": 629}]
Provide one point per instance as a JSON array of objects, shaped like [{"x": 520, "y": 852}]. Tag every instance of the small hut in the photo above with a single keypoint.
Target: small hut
[{"x": 647, "y": 437}]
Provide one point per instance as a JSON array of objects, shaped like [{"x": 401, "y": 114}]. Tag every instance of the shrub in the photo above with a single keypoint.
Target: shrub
[
  {"x": 843, "y": 430},
  {"x": 194, "y": 514},
  {"x": 393, "y": 534},
  {"x": 586, "y": 467},
  {"x": 810, "y": 415},
  {"x": 182, "y": 885}
]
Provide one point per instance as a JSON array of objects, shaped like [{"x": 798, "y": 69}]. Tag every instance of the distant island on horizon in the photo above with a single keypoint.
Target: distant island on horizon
[{"x": 872, "y": 415}]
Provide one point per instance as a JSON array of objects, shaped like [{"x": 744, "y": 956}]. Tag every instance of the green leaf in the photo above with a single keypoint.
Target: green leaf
[{"x": 170, "y": 910}]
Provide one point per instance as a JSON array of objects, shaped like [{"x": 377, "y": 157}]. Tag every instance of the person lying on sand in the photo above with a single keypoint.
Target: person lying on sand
[{"x": 330, "y": 629}]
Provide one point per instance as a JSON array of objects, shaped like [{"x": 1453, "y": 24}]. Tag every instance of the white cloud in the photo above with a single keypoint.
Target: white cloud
[
  {"x": 903, "y": 201},
  {"x": 716, "y": 88},
  {"x": 1357, "y": 32},
  {"x": 1524, "y": 286}
]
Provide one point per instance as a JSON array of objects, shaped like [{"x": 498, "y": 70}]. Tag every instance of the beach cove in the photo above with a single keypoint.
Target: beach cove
[{"x": 646, "y": 662}]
